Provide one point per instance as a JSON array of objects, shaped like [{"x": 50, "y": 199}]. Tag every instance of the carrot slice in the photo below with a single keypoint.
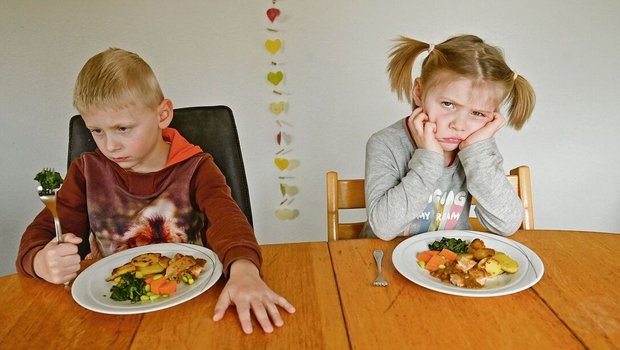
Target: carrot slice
[
  {"x": 426, "y": 255},
  {"x": 168, "y": 288},
  {"x": 434, "y": 262},
  {"x": 156, "y": 285},
  {"x": 448, "y": 254}
]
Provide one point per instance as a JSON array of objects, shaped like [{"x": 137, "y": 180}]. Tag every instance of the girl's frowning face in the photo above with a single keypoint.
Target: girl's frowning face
[{"x": 458, "y": 108}]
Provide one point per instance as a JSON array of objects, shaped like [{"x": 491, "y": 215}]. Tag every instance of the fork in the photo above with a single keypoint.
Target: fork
[
  {"x": 49, "y": 199},
  {"x": 380, "y": 280}
]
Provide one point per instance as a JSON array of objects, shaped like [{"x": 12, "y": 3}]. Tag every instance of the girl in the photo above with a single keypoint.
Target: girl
[{"x": 422, "y": 171}]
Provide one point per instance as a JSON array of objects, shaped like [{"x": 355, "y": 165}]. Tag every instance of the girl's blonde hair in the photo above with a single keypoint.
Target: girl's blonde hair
[
  {"x": 465, "y": 56},
  {"x": 113, "y": 79}
]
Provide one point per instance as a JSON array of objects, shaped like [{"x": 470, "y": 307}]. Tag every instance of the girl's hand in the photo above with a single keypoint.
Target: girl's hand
[
  {"x": 58, "y": 262},
  {"x": 423, "y": 131},
  {"x": 247, "y": 291},
  {"x": 486, "y": 132}
]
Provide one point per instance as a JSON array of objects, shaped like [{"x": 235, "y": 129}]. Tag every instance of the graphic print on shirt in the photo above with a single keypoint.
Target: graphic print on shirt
[
  {"x": 121, "y": 220},
  {"x": 443, "y": 211}
]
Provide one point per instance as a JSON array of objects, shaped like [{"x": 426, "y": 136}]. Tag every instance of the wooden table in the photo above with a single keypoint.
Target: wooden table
[
  {"x": 38, "y": 315},
  {"x": 575, "y": 305}
]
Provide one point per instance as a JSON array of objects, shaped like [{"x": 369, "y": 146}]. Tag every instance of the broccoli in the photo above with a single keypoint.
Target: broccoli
[{"x": 49, "y": 181}]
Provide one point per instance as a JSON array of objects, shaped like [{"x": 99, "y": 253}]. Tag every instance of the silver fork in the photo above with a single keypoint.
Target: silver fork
[
  {"x": 49, "y": 199},
  {"x": 380, "y": 280}
]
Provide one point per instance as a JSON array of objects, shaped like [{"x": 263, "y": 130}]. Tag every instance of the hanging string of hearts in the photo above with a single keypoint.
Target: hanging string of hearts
[{"x": 284, "y": 158}]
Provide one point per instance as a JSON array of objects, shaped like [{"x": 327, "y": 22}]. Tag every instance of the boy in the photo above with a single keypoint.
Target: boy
[{"x": 145, "y": 184}]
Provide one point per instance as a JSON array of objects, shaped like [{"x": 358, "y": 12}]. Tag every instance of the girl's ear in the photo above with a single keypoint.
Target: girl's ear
[
  {"x": 417, "y": 92},
  {"x": 165, "y": 113}
]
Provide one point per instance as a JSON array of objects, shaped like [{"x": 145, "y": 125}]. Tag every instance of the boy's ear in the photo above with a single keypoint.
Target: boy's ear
[
  {"x": 165, "y": 113},
  {"x": 417, "y": 92}
]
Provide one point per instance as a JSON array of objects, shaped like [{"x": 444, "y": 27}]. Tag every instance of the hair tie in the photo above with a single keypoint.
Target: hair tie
[
  {"x": 431, "y": 47},
  {"x": 515, "y": 75}
]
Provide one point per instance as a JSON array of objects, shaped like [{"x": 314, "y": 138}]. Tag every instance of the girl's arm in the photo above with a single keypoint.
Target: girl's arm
[
  {"x": 398, "y": 183},
  {"x": 499, "y": 208}
]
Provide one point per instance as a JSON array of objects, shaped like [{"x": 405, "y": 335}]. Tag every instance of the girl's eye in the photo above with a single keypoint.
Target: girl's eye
[
  {"x": 478, "y": 114},
  {"x": 123, "y": 128},
  {"x": 447, "y": 104}
]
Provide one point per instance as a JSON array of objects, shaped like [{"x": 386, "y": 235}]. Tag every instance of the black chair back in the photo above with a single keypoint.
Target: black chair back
[{"x": 212, "y": 128}]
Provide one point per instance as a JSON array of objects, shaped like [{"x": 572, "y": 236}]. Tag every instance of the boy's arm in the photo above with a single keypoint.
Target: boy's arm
[
  {"x": 229, "y": 233},
  {"x": 71, "y": 206},
  {"x": 392, "y": 201},
  {"x": 499, "y": 208}
]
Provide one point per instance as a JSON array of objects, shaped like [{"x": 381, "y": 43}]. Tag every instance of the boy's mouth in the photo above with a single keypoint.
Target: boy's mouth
[{"x": 120, "y": 159}]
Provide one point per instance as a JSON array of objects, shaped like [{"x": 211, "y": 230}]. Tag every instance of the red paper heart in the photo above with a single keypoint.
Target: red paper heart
[{"x": 272, "y": 13}]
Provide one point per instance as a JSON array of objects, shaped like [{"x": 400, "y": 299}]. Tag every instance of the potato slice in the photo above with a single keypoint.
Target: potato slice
[
  {"x": 507, "y": 263},
  {"x": 146, "y": 259},
  {"x": 121, "y": 270}
]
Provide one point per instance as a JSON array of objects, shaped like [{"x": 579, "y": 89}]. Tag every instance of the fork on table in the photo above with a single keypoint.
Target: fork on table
[{"x": 380, "y": 280}]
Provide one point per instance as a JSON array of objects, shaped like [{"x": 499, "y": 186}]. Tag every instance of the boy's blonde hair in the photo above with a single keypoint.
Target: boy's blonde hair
[
  {"x": 465, "y": 56},
  {"x": 114, "y": 79}
]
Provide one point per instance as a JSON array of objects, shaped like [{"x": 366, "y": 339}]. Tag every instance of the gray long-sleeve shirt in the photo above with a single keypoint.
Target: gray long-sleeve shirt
[{"x": 410, "y": 190}]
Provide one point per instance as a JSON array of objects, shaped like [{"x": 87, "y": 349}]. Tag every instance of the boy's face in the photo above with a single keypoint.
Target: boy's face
[
  {"x": 131, "y": 136},
  {"x": 458, "y": 108}
]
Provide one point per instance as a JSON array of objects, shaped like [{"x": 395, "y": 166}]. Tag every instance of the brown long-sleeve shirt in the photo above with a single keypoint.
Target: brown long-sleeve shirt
[{"x": 187, "y": 201}]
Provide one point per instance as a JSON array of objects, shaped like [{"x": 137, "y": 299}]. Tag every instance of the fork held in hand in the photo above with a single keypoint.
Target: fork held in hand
[{"x": 380, "y": 280}]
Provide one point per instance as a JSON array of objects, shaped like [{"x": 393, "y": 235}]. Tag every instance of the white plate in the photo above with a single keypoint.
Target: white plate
[
  {"x": 91, "y": 290},
  {"x": 530, "y": 271}
]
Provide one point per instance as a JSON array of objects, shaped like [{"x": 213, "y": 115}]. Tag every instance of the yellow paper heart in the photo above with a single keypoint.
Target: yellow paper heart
[
  {"x": 277, "y": 107},
  {"x": 289, "y": 190},
  {"x": 281, "y": 163},
  {"x": 275, "y": 77},
  {"x": 273, "y": 45},
  {"x": 287, "y": 214}
]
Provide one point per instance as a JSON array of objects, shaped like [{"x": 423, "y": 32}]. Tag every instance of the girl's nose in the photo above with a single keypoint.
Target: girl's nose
[{"x": 457, "y": 123}]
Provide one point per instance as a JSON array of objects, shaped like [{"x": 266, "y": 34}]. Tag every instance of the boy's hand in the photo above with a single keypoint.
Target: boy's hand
[
  {"x": 246, "y": 290},
  {"x": 423, "y": 131},
  {"x": 58, "y": 262},
  {"x": 486, "y": 132}
]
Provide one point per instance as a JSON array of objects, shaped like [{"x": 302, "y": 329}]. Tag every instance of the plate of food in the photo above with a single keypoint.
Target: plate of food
[
  {"x": 147, "y": 278},
  {"x": 467, "y": 263}
]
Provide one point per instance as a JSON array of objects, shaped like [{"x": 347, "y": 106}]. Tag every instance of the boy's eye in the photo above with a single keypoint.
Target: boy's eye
[
  {"x": 447, "y": 104},
  {"x": 95, "y": 131},
  {"x": 478, "y": 114},
  {"x": 122, "y": 128}
]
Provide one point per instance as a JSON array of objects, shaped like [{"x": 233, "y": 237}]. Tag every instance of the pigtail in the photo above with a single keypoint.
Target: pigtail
[
  {"x": 402, "y": 57},
  {"x": 521, "y": 101}
]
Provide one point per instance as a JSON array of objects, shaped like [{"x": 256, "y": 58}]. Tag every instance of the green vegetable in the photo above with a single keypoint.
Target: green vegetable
[
  {"x": 49, "y": 181},
  {"x": 454, "y": 244},
  {"x": 128, "y": 288}
]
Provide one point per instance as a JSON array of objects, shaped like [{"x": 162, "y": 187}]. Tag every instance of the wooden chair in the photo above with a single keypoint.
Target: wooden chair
[
  {"x": 350, "y": 194},
  {"x": 343, "y": 194},
  {"x": 521, "y": 181}
]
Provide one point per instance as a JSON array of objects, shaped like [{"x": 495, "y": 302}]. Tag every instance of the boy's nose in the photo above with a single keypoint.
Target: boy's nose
[{"x": 111, "y": 144}]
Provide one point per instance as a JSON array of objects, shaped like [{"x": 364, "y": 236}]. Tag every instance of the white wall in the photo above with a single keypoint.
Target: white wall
[{"x": 334, "y": 57}]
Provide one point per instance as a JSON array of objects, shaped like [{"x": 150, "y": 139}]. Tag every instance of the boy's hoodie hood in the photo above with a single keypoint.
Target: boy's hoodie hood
[{"x": 180, "y": 148}]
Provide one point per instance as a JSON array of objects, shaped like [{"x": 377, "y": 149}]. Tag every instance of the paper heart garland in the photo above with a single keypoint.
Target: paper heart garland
[
  {"x": 289, "y": 190},
  {"x": 272, "y": 13},
  {"x": 284, "y": 137},
  {"x": 275, "y": 77},
  {"x": 273, "y": 46},
  {"x": 277, "y": 107},
  {"x": 284, "y": 164},
  {"x": 287, "y": 214}
]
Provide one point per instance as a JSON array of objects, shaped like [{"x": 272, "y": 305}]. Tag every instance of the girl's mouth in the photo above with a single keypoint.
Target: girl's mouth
[{"x": 451, "y": 140}]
